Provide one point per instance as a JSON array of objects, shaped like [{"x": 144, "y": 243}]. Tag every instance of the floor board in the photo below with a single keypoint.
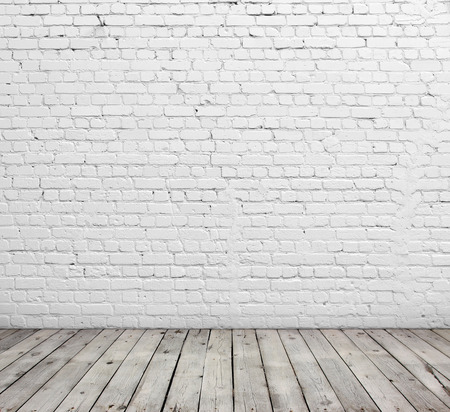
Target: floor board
[
  {"x": 319, "y": 395},
  {"x": 205, "y": 370},
  {"x": 284, "y": 390},
  {"x": 154, "y": 385},
  {"x": 386, "y": 396},
  {"x": 412, "y": 389},
  {"x": 184, "y": 392},
  {"x": 250, "y": 386},
  {"x": 15, "y": 395},
  {"x": 12, "y": 339},
  {"x": 349, "y": 390},
  {"x": 83, "y": 396},
  {"x": 413, "y": 362},
  {"x": 217, "y": 385}
]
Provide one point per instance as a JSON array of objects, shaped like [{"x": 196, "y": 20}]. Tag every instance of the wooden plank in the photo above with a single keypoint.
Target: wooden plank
[
  {"x": 57, "y": 388},
  {"x": 11, "y": 340},
  {"x": 152, "y": 389},
  {"x": 417, "y": 394},
  {"x": 20, "y": 391},
  {"x": 250, "y": 387},
  {"x": 217, "y": 387},
  {"x": 423, "y": 349},
  {"x": 119, "y": 390},
  {"x": 318, "y": 392},
  {"x": 284, "y": 390},
  {"x": 184, "y": 393},
  {"x": 416, "y": 365},
  {"x": 9, "y": 356},
  {"x": 385, "y": 395},
  {"x": 6, "y": 332},
  {"x": 433, "y": 339},
  {"x": 349, "y": 390},
  {"x": 83, "y": 396},
  {"x": 445, "y": 333},
  {"x": 22, "y": 365}
]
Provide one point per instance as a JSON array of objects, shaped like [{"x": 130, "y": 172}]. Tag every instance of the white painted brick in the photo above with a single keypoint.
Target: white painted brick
[{"x": 186, "y": 165}]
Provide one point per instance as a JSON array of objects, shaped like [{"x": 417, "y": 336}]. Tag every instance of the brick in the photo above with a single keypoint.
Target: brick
[
  {"x": 259, "y": 164},
  {"x": 54, "y": 43}
]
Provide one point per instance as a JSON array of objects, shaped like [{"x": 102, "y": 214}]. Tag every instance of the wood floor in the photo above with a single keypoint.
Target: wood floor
[{"x": 223, "y": 370}]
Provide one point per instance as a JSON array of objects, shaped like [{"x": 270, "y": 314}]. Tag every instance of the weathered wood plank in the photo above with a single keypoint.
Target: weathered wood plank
[
  {"x": 57, "y": 388},
  {"x": 385, "y": 395},
  {"x": 241, "y": 370},
  {"x": 250, "y": 387},
  {"x": 413, "y": 390},
  {"x": 416, "y": 365},
  {"x": 22, "y": 365},
  {"x": 284, "y": 390},
  {"x": 434, "y": 340},
  {"x": 19, "y": 349},
  {"x": 349, "y": 390},
  {"x": 217, "y": 386},
  {"x": 445, "y": 333},
  {"x": 20, "y": 391},
  {"x": 6, "y": 332},
  {"x": 85, "y": 393},
  {"x": 423, "y": 349},
  {"x": 153, "y": 387},
  {"x": 318, "y": 392},
  {"x": 119, "y": 390},
  {"x": 184, "y": 393},
  {"x": 14, "y": 338}
]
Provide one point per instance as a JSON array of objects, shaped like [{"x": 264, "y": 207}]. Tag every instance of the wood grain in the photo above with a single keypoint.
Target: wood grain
[
  {"x": 250, "y": 387},
  {"x": 411, "y": 361},
  {"x": 19, "y": 392},
  {"x": 349, "y": 390},
  {"x": 83, "y": 396},
  {"x": 285, "y": 392},
  {"x": 385, "y": 395},
  {"x": 56, "y": 389},
  {"x": 117, "y": 393},
  {"x": 217, "y": 386},
  {"x": 184, "y": 393},
  {"x": 152, "y": 389},
  {"x": 411, "y": 388},
  {"x": 116, "y": 370},
  {"x": 318, "y": 392}
]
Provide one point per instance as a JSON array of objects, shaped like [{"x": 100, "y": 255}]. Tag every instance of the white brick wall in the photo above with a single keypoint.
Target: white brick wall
[{"x": 247, "y": 163}]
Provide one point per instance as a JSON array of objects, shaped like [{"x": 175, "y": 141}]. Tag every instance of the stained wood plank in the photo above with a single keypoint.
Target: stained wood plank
[
  {"x": 85, "y": 393},
  {"x": 417, "y": 393},
  {"x": 19, "y": 349},
  {"x": 217, "y": 386},
  {"x": 284, "y": 389},
  {"x": 385, "y": 395},
  {"x": 319, "y": 394},
  {"x": 14, "y": 338},
  {"x": 22, "y": 365},
  {"x": 19, "y": 392},
  {"x": 119, "y": 390},
  {"x": 152, "y": 389},
  {"x": 250, "y": 387},
  {"x": 416, "y": 365},
  {"x": 423, "y": 349},
  {"x": 184, "y": 393},
  {"x": 349, "y": 390},
  {"x": 57, "y": 388},
  {"x": 445, "y": 333}
]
